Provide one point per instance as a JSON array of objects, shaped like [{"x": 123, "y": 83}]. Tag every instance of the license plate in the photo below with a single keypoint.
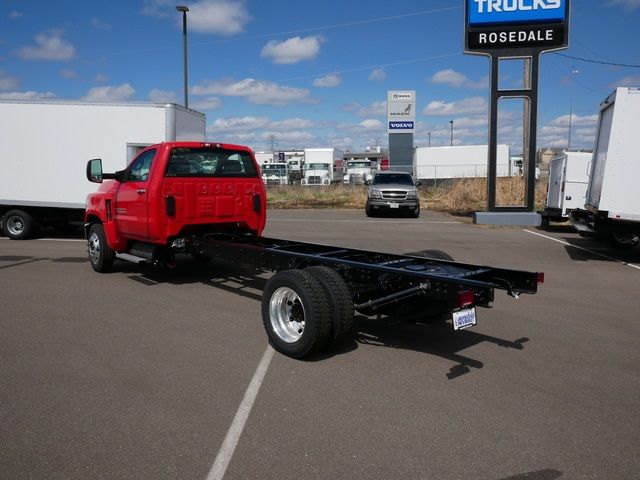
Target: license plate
[
  {"x": 464, "y": 319},
  {"x": 394, "y": 205}
]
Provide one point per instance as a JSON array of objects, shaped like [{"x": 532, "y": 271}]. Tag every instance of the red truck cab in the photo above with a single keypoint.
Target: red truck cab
[{"x": 168, "y": 193}]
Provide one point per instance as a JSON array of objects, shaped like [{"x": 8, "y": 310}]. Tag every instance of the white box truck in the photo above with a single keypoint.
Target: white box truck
[
  {"x": 45, "y": 145},
  {"x": 612, "y": 206},
  {"x": 436, "y": 163},
  {"x": 568, "y": 182},
  {"x": 323, "y": 166}
]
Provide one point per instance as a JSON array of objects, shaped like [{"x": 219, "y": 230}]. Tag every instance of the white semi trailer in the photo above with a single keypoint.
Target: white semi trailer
[
  {"x": 45, "y": 145},
  {"x": 612, "y": 206},
  {"x": 435, "y": 163}
]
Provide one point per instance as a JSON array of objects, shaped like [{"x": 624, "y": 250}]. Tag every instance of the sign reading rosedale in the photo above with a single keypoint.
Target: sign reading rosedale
[{"x": 516, "y": 25}]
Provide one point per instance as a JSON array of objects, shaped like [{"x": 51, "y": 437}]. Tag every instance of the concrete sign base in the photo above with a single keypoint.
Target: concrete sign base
[{"x": 523, "y": 219}]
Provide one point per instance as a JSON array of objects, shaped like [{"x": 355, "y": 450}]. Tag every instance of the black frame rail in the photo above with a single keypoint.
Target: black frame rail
[{"x": 276, "y": 254}]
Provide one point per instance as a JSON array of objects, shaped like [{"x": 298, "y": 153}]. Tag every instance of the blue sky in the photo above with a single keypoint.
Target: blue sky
[{"x": 308, "y": 74}]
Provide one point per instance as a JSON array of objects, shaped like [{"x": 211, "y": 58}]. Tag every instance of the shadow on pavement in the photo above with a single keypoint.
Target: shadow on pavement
[{"x": 434, "y": 339}]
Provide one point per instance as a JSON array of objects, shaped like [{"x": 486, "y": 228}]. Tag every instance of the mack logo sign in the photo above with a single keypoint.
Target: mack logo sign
[
  {"x": 513, "y": 26},
  {"x": 500, "y": 12}
]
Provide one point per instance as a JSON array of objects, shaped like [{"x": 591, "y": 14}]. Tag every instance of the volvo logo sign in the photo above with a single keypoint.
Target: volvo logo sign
[{"x": 531, "y": 25}]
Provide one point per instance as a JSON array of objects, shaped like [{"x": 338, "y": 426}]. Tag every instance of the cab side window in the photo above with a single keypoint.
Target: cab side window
[{"x": 141, "y": 166}]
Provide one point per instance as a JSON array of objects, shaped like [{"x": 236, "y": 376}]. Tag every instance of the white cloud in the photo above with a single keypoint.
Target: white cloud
[
  {"x": 467, "y": 106},
  {"x": 291, "y": 123},
  {"x": 221, "y": 17},
  {"x": 14, "y": 14},
  {"x": 458, "y": 80},
  {"x": 49, "y": 46},
  {"x": 628, "y": 4},
  {"x": 238, "y": 124},
  {"x": 628, "y": 81},
  {"x": 371, "y": 110},
  {"x": 110, "y": 94},
  {"x": 208, "y": 103},
  {"x": 100, "y": 25},
  {"x": 30, "y": 95},
  {"x": 371, "y": 124},
  {"x": 327, "y": 81},
  {"x": 8, "y": 82},
  {"x": 378, "y": 75},
  {"x": 260, "y": 92},
  {"x": 576, "y": 120},
  {"x": 162, "y": 96},
  {"x": 100, "y": 78},
  {"x": 293, "y": 50},
  {"x": 68, "y": 74},
  {"x": 217, "y": 17}
]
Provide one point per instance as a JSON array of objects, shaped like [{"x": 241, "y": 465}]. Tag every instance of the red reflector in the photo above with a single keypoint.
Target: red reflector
[
  {"x": 540, "y": 278},
  {"x": 466, "y": 298}
]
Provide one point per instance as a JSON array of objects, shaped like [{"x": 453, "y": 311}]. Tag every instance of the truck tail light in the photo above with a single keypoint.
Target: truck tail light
[
  {"x": 540, "y": 278},
  {"x": 466, "y": 298}
]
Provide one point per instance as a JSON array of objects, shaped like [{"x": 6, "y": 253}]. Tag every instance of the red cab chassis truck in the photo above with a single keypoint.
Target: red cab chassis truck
[{"x": 208, "y": 200}]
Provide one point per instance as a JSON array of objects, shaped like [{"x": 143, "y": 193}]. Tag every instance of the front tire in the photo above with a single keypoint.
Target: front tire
[
  {"x": 369, "y": 211},
  {"x": 18, "y": 225},
  {"x": 296, "y": 313},
  {"x": 101, "y": 255},
  {"x": 624, "y": 240}
]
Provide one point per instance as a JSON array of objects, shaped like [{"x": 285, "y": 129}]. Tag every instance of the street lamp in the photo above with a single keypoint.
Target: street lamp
[
  {"x": 451, "y": 122},
  {"x": 574, "y": 71},
  {"x": 429, "y": 134},
  {"x": 184, "y": 9}
]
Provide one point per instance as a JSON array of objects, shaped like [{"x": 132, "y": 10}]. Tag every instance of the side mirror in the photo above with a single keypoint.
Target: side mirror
[
  {"x": 418, "y": 183},
  {"x": 94, "y": 170},
  {"x": 367, "y": 182}
]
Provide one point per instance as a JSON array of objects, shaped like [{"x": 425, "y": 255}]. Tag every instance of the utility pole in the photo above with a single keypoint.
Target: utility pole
[
  {"x": 184, "y": 9},
  {"x": 574, "y": 71}
]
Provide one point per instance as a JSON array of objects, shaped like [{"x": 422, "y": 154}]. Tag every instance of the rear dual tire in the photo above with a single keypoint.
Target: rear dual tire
[{"x": 304, "y": 310}]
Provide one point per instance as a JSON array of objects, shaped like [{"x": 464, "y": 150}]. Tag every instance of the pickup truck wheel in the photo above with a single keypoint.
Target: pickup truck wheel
[
  {"x": 624, "y": 240},
  {"x": 434, "y": 254},
  {"x": 18, "y": 225},
  {"x": 296, "y": 313},
  {"x": 341, "y": 301},
  {"x": 415, "y": 213},
  {"x": 369, "y": 211},
  {"x": 101, "y": 255}
]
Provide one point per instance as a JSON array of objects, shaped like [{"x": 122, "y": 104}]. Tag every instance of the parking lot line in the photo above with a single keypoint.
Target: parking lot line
[
  {"x": 582, "y": 248},
  {"x": 230, "y": 442},
  {"x": 355, "y": 221}
]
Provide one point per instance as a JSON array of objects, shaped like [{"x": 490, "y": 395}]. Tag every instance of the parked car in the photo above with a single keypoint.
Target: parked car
[{"x": 393, "y": 191}]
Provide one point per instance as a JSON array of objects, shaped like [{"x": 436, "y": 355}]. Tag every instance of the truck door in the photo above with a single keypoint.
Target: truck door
[{"x": 132, "y": 207}]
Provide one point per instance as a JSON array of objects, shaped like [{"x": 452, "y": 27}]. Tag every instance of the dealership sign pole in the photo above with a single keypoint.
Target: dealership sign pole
[
  {"x": 515, "y": 29},
  {"x": 401, "y": 121}
]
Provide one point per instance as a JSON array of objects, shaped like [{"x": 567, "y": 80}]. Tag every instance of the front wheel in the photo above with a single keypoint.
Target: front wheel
[
  {"x": 624, "y": 240},
  {"x": 101, "y": 255},
  {"x": 296, "y": 313}
]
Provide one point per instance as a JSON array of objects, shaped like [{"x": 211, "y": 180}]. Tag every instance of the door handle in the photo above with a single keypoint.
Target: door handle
[{"x": 141, "y": 191}]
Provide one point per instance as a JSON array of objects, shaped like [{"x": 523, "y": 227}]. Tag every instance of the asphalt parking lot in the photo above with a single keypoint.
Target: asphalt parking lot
[{"x": 141, "y": 374}]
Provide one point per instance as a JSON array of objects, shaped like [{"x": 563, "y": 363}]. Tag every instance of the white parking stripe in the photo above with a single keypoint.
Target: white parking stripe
[
  {"x": 230, "y": 442},
  {"x": 358, "y": 221},
  {"x": 582, "y": 248},
  {"x": 52, "y": 239}
]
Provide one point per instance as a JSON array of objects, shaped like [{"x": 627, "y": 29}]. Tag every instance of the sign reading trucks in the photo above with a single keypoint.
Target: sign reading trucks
[{"x": 516, "y": 25}]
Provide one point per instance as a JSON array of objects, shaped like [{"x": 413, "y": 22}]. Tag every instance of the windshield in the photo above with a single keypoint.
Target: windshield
[
  {"x": 389, "y": 178},
  {"x": 358, "y": 164},
  {"x": 210, "y": 162},
  {"x": 275, "y": 169},
  {"x": 316, "y": 166}
]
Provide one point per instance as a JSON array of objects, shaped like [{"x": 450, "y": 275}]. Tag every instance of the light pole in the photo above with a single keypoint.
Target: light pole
[
  {"x": 574, "y": 71},
  {"x": 451, "y": 122},
  {"x": 429, "y": 134},
  {"x": 184, "y": 9}
]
